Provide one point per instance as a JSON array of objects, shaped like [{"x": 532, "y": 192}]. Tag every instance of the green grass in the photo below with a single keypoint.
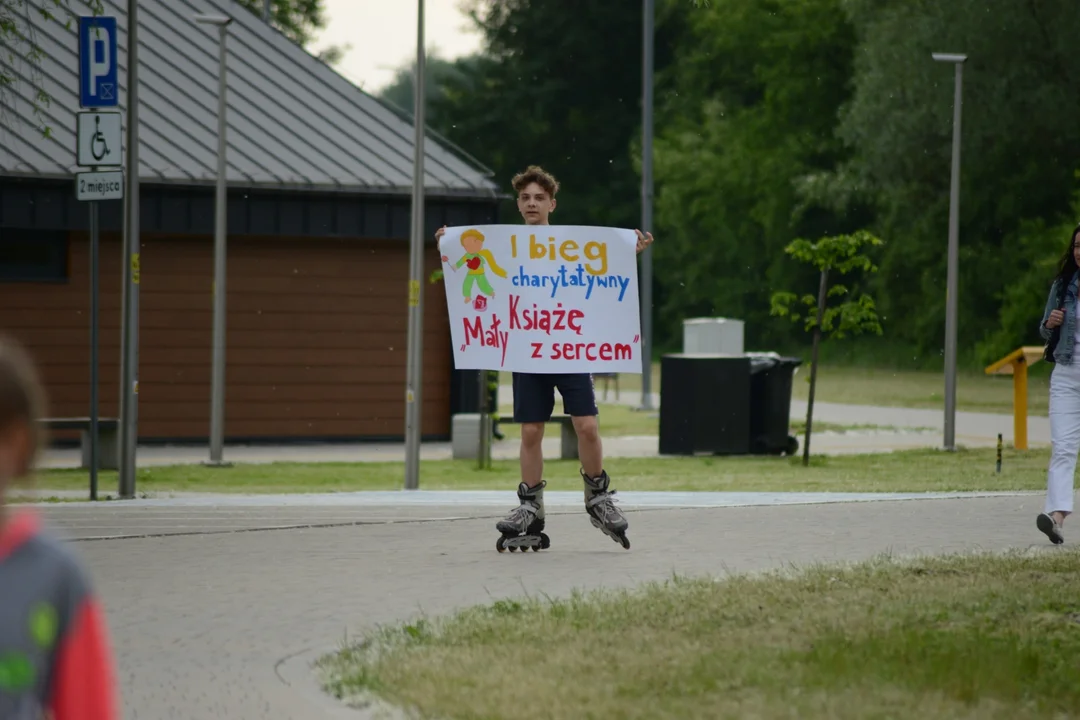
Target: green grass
[
  {"x": 615, "y": 421},
  {"x": 623, "y": 420},
  {"x": 906, "y": 388},
  {"x": 987, "y": 636},
  {"x": 906, "y": 471},
  {"x": 975, "y": 391}
]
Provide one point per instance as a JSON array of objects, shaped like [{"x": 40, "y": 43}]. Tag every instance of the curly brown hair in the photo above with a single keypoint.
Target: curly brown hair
[
  {"x": 22, "y": 398},
  {"x": 535, "y": 174}
]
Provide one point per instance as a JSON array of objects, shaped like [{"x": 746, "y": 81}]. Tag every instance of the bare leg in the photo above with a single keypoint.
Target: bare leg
[
  {"x": 590, "y": 449},
  {"x": 524, "y": 526},
  {"x": 532, "y": 453}
]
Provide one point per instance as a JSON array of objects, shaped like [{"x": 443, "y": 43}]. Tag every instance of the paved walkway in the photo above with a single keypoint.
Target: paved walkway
[
  {"x": 624, "y": 446},
  {"x": 215, "y": 614},
  {"x": 974, "y": 426},
  {"x": 914, "y": 428}
]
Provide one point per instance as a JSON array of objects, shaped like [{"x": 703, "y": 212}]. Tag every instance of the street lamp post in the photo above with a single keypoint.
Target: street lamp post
[
  {"x": 951, "y": 292},
  {"x": 647, "y": 203},
  {"x": 217, "y": 375},
  {"x": 129, "y": 293},
  {"x": 414, "y": 354}
]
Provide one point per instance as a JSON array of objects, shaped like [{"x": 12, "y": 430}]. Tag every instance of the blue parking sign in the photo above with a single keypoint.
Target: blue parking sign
[{"x": 98, "y": 86}]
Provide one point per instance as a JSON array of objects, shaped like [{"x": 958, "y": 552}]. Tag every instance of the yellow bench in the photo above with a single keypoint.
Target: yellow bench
[{"x": 1016, "y": 364}]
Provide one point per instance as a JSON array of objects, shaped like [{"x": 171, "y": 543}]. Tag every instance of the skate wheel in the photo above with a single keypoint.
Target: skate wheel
[
  {"x": 625, "y": 542},
  {"x": 513, "y": 548},
  {"x": 500, "y": 544},
  {"x": 545, "y": 541}
]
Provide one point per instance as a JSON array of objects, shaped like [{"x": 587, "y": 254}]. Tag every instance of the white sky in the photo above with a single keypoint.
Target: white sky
[{"x": 382, "y": 34}]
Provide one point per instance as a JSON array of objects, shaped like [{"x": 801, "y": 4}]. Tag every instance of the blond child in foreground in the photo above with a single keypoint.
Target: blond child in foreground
[{"x": 55, "y": 660}]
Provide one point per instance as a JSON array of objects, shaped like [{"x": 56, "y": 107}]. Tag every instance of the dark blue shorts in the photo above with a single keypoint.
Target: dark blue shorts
[{"x": 534, "y": 396}]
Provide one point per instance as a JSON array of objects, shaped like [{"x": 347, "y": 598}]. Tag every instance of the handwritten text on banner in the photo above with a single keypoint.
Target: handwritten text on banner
[{"x": 543, "y": 298}]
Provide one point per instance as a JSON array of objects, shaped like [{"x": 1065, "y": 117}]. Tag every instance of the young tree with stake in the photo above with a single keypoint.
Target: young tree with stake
[{"x": 853, "y": 316}]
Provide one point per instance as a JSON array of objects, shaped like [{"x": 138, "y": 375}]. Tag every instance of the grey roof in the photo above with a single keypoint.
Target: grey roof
[{"x": 293, "y": 122}]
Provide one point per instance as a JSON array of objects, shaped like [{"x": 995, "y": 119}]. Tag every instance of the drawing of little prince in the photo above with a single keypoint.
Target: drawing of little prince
[{"x": 475, "y": 257}]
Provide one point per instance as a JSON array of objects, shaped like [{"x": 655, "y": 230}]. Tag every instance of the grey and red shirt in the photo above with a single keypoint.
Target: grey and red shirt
[{"x": 55, "y": 659}]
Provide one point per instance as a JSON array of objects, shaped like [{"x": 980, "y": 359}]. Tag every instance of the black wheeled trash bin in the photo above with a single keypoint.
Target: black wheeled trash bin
[
  {"x": 704, "y": 404},
  {"x": 771, "y": 382}
]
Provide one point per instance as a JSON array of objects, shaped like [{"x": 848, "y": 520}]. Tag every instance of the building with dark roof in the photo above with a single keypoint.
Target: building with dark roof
[{"x": 319, "y": 194}]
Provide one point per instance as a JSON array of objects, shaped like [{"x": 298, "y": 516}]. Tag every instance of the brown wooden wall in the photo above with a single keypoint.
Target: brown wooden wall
[{"x": 316, "y": 337}]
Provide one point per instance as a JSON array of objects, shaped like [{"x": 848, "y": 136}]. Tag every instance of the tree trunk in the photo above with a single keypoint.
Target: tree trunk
[{"x": 822, "y": 289}]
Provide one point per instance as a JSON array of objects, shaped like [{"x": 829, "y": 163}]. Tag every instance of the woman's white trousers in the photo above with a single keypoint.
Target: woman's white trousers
[{"x": 1064, "y": 435}]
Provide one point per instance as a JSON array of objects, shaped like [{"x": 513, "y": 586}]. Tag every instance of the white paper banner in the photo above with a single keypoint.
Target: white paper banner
[{"x": 543, "y": 298}]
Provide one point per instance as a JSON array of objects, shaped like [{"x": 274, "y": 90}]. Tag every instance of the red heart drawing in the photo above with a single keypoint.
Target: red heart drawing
[{"x": 473, "y": 263}]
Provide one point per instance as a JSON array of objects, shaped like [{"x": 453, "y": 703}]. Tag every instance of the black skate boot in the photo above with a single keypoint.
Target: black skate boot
[
  {"x": 601, "y": 508},
  {"x": 524, "y": 527}
]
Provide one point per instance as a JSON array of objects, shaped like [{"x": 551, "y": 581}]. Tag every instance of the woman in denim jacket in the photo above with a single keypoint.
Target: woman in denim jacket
[{"x": 1061, "y": 312}]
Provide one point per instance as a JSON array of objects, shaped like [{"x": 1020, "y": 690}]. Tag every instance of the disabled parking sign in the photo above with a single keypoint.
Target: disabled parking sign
[{"x": 99, "y": 136}]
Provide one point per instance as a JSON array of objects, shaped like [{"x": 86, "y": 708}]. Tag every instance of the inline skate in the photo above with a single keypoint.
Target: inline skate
[
  {"x": 523, "y": 528},
  {"x": 601, "y": 508}
]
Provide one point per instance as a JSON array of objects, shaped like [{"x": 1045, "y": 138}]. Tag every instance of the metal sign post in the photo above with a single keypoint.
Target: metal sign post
[
  {"x": 129, "y": 323},
  {"x": 95, "y": 251},
  {"x": 414, "y": 377},
  {"x": 98, "y": 143}
]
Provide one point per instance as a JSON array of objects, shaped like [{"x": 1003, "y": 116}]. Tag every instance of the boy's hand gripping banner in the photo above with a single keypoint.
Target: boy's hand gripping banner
[{"x": 542, "y": 298}]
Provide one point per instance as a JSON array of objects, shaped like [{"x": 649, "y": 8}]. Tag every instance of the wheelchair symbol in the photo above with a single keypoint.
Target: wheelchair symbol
[{"x": 98, "y": 140}]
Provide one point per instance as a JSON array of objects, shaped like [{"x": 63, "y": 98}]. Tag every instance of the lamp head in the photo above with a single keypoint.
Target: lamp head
[{"x": 219, "y": 20}]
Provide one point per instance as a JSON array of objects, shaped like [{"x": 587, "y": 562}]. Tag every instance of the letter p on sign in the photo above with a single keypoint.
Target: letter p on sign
[{"x": 98, "y": 87}]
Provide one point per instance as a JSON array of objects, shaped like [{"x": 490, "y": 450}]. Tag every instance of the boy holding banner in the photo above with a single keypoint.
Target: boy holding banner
[{"x": 534, "y": 402}]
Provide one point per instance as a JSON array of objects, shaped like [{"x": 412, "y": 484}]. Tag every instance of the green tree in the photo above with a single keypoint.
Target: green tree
[
  {"x": 854, "y": 315},
  {"x": 1021, "y": 144},
  {"x": 297, "y": 20},
  {"x": 748, "y": 110},
  {"x": 1041, "y": 243},
  {"x": 558, "y": 84},
  {"x": 438, "y": 75}
]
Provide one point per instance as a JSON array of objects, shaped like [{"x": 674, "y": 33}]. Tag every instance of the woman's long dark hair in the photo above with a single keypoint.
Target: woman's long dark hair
[{"x": 1067, "y": 267}]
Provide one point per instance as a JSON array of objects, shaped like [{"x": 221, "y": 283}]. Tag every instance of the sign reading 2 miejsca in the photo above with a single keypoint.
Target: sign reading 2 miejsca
[
  {"x": 542, "y": 298},
  {"x": 108, "y": 185}
]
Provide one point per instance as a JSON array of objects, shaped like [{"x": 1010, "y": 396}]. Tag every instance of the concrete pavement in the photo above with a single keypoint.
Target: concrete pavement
[
  {"x": 828, "y": 443},
  {"x": 213, "y": 612},
  {"x": 210, "y": 513},
  {"x": 974, "y": 426},
  {"x": 907, "y": 428}
]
